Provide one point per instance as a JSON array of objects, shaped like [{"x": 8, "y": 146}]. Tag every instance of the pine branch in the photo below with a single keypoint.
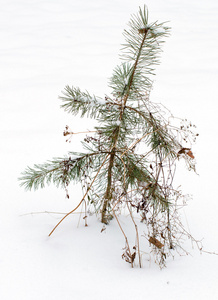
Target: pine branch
[
  {"x": 141, "y": 51},
  {"x": 76, "y": 101},
  {"x": 59, "y": 171},
  {"x": 135, "y": 40}
]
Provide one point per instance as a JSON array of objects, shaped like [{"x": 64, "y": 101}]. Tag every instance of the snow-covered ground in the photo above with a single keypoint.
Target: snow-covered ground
[{"x": 46, "y": 44}]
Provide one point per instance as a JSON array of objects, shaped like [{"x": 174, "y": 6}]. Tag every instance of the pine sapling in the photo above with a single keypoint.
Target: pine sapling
[{"x": 130, "y": 157}]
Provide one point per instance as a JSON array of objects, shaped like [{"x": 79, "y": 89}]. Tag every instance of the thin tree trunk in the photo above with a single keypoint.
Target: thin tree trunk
[{"x": 108, "y": 193}]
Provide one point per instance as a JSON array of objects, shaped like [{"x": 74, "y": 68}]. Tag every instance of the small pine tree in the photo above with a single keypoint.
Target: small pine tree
[{"x": 130, "y": 160}]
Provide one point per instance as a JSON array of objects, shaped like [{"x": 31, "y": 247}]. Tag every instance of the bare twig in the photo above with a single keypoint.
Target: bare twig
[
  {"x": 71, "y": 133},
  {"x": 43, "y": 212},
  {"x": 127, "y": 243},
  {"x": 137, "y": 235}
]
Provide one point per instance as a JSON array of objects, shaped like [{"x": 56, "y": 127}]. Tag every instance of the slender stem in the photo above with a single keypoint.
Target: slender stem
[
  {"x": 127, "y": 243},
  {"x": 137, "y": 235},
  {"x": 108, "y": 194},
  {"x": 71, "y": 132},
  {"x": 134, "y": 68}
]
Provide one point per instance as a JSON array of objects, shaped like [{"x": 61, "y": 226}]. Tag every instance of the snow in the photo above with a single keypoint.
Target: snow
[
  {"x": 93, "y": 100},
  {"x": 158, "y": 31},
  {"x": 118, "y": 122},
  {"x": 45, "y": 45}
]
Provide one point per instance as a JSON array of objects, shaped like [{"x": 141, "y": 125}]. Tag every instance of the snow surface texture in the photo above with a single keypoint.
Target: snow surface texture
[{"x": 45, "y": 45}]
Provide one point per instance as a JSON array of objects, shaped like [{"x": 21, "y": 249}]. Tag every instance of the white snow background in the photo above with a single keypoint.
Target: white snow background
[{"x": 45, "y": 45}]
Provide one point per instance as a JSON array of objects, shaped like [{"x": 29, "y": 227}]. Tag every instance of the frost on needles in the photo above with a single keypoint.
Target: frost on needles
[{"x": 130, "y": 158}]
